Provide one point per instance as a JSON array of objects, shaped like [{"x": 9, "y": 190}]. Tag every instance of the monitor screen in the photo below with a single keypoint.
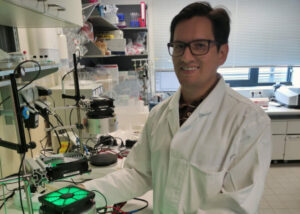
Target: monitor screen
[{"x": 166, "y": 81}]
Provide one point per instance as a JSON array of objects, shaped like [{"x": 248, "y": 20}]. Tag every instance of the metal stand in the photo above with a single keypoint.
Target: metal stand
[
  {"x": 76, "y": 97},
  {"x": 22, "y": 147}
]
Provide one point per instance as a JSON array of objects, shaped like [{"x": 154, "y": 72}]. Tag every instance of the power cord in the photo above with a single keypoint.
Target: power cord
[{"x": 101, "y": 208}]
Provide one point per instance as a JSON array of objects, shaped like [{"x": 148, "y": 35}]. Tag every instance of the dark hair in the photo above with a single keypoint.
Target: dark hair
[{"x": 218, "y": 16}]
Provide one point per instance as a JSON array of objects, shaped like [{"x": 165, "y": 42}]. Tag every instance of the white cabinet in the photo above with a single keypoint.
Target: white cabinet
[
  {"x": 285, "y": 139},
  {"x": 292, "y": 147},
  {"x": 41, "y": 13},
  {"x": 278, "y": 142}
]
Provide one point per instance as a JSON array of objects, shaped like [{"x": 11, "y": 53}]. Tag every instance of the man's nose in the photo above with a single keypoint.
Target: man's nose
[{"x": 187, "y": 54}]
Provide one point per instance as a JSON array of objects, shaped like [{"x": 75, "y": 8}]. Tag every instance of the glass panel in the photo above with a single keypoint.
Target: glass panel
[
  {"x": 235, "y": 73},
  {"x": 272, "y": 74},
  {"x": 166, "y": 81}
]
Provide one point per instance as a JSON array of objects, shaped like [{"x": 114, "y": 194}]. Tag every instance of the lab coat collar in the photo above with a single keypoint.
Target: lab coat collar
[
  {"x": 211, "y": 103},
  {"x": 213, "y": 100}
]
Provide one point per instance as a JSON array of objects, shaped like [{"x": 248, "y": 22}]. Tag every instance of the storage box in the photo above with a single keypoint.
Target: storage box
[{"x": 116, "y": 44}]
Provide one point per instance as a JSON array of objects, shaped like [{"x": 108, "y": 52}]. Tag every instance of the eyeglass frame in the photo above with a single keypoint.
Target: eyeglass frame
[{"x": 188, "y": 44}]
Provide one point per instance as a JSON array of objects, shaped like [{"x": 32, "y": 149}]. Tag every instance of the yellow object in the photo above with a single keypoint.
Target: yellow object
[{"x": 64, "y": 146}]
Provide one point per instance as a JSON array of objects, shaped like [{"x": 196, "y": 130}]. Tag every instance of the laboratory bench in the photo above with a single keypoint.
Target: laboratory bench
[
  {"x": 13, "y": 205},
  {"x": 285, "y": 127}
]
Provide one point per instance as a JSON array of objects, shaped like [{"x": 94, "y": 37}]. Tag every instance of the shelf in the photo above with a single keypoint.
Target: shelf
[
  {"x": 134, "y": 28},
  {"x": 87, "y": 10},
  {"x": 30, "y": 73},
  {"x": 100, "y": 22},
  {"x": 112, "y": 56}
]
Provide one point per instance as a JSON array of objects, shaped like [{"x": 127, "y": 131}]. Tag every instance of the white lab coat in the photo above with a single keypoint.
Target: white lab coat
[{"x": 215, "y": 163}]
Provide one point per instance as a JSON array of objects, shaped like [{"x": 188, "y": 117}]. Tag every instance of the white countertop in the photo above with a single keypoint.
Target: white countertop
[{"x": 273, "y": 110}]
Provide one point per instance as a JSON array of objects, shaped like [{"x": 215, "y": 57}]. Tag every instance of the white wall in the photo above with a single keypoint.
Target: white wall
[{"x": 296, "y": 76}]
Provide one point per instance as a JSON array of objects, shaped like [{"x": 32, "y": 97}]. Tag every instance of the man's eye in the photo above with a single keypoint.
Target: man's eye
[
  {"x": 199, "y": 45},
  {"x": 178, "y": 46}
]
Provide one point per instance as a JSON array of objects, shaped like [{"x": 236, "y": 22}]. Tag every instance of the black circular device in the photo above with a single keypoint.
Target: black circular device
[
  {"x": 67, "y": 195},
  {"x": 105, "y": 159}
]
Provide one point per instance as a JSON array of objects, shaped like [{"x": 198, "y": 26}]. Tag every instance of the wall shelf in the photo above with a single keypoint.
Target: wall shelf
[
  {"x": 102, "y": 23},
  {"x": 31, "y": 72}
]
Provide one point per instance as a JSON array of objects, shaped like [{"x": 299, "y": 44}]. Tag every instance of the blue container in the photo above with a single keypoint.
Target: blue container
[
  {"x": 121, "y": 17},
  {"x": 134, "y": 24}
]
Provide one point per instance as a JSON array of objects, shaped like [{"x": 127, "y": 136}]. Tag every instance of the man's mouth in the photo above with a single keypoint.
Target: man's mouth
[{"x": 189, "y": 69}]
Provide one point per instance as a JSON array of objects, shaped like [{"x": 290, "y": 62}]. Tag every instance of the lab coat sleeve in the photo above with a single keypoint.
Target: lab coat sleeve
[
  {"x": 244, "y": 180},
  {"x": 131, "y": 181}
]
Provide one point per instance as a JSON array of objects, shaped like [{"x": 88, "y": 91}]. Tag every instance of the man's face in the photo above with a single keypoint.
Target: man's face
[{"x": 197, "y": 72}]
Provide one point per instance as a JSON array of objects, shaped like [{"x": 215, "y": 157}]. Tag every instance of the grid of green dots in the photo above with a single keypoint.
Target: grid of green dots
[{"x": 55, "y": 197}]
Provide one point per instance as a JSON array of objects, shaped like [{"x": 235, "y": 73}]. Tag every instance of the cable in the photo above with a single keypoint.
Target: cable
[
  {"x": 105, "y": 207},
  {"x": 5, "y": 199},
  {"x": 30, "y": 141},
  {"x": 64, "y": 76},
  {"x": 19, "y": 182},
  {"x": 144, "y": 207},
  {"x": 19, "y": 67},
  {"x": 54, "y": 131},
  {"x": 70, "y": 121}
]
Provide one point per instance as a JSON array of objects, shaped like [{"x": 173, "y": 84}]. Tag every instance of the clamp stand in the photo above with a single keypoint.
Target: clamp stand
[
  {"x": 76, "y": 97},
  {"x": 22, "y": 147}
]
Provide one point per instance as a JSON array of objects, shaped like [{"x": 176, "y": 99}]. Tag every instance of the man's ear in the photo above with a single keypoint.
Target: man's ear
[{"x": 223, "y": 52}]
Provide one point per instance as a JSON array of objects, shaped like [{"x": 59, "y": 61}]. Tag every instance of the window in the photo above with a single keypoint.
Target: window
[
  {"x": 257, "y": 76},
  {"x": 235, "y": 73},
  {"x": 273, "y": 74}
]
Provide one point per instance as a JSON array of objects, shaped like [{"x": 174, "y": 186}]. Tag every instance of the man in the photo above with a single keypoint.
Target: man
[{"x": 206, "y": 149}]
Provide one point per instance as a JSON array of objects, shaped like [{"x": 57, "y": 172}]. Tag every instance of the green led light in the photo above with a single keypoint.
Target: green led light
[
  {"x": 51, "y": 199},
  {"x": 53, "y": 194},
  {"x": 65, "y": 197},
  {"x": 64, "y": 191},
  {"x": 69, "y": 201},
  {"x": 73, "y": 190},
  {"x": 59, "y": 202},
  {"x": 78, "y": 197}
]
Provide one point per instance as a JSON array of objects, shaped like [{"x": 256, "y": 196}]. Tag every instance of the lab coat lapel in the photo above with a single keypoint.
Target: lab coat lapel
[{"x": 173, "y": 113}]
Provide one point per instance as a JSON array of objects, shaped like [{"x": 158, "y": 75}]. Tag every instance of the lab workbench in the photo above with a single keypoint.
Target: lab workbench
[
  {"x": 285, "y": 126},
  {"x": 96, "y": 172}
]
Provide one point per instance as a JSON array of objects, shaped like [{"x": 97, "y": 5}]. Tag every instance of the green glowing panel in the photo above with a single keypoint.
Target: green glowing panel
[
  {"x": 54, "y": 194},
  {"x": 69, "y": 201},
  {"x": 51, "y": 199},
  {"x": 59, "y": 202},
  {"x": 64, "y": 191},
  {"x": 73, "y": 190},
  {"x": 78, "y": 197},
  {"x": 67, "y": 198}
]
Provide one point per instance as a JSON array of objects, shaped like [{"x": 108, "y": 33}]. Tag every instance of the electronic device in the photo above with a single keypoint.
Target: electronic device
[
  {"x": 100, "y": 115},
  {"x": 104, "y": 159},
  {"x": 166, "y": 81},
  {"x": 68, "y": 200},
  {"x": 64, "y": 165},
  {"x": 289, "y": 96}
]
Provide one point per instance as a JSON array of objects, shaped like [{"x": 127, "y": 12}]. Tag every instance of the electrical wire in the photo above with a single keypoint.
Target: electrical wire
[
  {"x": 30, "y": 141},
  {"x": 59, "y": 142},
  {"x": 5, "y": 199},
  {"x": 105, "y": 207},
  {"x": 18, "y": 67},
  {"x": 144, "y": 207},
  {"x": 70, "y": 121}
]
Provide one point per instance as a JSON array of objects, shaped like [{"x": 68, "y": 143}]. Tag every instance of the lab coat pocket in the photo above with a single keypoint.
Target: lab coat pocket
[{"x": 208, "y": 183}]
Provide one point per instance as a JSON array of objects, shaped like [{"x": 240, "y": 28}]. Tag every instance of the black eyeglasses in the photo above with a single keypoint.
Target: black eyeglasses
[{"x": 197, "y": 47}]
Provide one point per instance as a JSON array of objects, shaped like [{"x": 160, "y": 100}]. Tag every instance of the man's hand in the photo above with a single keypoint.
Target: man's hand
[{"x": 80, "y": 186}]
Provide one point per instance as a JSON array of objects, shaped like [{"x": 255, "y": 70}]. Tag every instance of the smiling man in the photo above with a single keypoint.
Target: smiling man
[{"x": 206, "y": 149}]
